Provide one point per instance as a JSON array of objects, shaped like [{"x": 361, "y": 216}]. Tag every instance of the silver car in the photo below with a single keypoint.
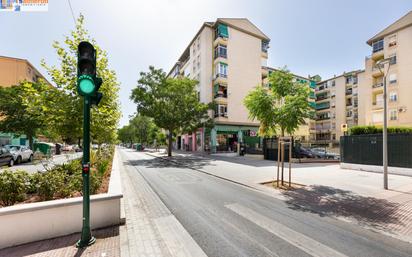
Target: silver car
[{"x": 20, "y": 153}]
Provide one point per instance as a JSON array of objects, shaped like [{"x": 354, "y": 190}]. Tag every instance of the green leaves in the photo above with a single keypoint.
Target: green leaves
[
  {"x": 171, "y": 103},
  {"x": 283, "y": 105},
  {"x": 105, "y": 117}
]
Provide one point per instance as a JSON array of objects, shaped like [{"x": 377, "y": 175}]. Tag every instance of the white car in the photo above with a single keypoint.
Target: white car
[{"x": 20, "y": 153}]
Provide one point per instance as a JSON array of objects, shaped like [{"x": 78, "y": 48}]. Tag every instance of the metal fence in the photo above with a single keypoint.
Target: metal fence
[
  {"x": 367, "y": 149},
  {"x": 270, "y": 149}
]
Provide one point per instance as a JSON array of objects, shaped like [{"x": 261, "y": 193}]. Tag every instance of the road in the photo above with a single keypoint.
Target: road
[
  {"x": 226, "y": 219},
  {"x": 38, "y": 165}
]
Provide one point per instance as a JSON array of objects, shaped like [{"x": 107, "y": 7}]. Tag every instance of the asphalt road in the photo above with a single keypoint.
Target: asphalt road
[
  {"x": 42, "y": 165},
  {"x": 227, "y": 219}
]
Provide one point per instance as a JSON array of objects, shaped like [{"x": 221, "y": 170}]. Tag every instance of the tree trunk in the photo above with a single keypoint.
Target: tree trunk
[
  {"x": 169, "y": 144},
  {"x": 30, "y": 136},
  {"x": 79, "y": 143}
]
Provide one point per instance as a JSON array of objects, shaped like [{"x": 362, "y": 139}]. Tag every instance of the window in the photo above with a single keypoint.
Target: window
[
  {"x": 392, "y": 78},
  {"x": 221, "y": 51},
  {"x": 393, "y": 96},
  {"x": 221, "y": 70},
  {"x": 392, "y": 59},
  {"x": 377, "y": 46},
  {"x": 392, "y": 41},
  {"x": 265, "y": 46},
  {"x": 393, "y": 114},
  {"x": 221, "y": 110}
]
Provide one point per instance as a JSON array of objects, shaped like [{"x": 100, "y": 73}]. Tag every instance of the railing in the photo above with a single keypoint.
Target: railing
[
  {"x": 321, "y": 97},
  {"x": 377, "y": 85},
  {"x": 221, "y": 95},
  {"x": 221, "y": 75}
]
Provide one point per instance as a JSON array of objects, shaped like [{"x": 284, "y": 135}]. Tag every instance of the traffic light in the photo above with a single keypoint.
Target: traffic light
[
  {"x": 97, "y": 96},
  {"x": 88, "y": 83}
]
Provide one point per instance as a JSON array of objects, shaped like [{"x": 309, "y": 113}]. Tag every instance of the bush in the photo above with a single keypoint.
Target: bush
[
  {"x": 363, "y": 130},
  {"x": 51, "y": 183},
  {"x": 12, "y": 186}
]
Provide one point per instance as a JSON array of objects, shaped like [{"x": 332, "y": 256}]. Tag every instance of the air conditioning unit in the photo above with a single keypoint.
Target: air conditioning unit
[{"x": 402, "y": 109}]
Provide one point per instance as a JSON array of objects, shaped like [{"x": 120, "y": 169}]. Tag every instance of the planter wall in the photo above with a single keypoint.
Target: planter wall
[{"x": 25, "y": 223}]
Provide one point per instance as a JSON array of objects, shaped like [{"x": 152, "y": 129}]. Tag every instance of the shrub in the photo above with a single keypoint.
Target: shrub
[
  {"x": 362, "y": 130},
  {"x": 51, "y": 183},
  {"x": 12, "y": 186},
  {"x": 33, "y": 185}
]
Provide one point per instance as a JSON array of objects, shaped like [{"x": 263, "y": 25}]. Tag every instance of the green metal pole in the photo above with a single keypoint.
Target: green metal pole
[{"x": 86, "y": 237}]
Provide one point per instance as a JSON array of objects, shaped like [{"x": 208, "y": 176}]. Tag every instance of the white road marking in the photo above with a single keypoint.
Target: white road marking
[
  {"x": 297, "y": 239},
  {"x": 177, "y": 239}
]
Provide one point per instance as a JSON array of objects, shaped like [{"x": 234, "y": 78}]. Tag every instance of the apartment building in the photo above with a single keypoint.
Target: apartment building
[
  {"x": 337, "y": 104},
  {"x": 393, "y": 42},
  {"x": 226, "y": 57},
  {"x": 12, "y": 71}
]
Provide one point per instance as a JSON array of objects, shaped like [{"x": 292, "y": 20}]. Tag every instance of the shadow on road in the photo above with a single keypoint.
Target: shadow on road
[
  {"x": 329, "y": 201},
  {"x": 172, "y": 162}
]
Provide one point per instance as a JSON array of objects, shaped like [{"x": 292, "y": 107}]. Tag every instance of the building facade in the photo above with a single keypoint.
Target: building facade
[
  {"x": 394, "y": 42},
  {"x": 226, "y": 57},
  {"x": 12, "y": 72},
  {"x": 337, "y": 105}
]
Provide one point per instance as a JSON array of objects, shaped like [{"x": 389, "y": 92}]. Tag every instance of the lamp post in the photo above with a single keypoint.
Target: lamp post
[{"x": 381, "y": 65}]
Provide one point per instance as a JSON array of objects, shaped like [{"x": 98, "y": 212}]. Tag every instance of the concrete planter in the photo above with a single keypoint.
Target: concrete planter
[{"x": 43, "y": 220}]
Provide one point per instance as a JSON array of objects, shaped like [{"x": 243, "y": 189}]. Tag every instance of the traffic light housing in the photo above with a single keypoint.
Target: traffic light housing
[{"x": 88, "y": 83}]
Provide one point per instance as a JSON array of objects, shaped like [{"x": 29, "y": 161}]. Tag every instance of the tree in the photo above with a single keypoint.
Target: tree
[
  {"x": 172, "y": 103},
  {"x": 105, "y": 117},
  {"x": 283, "y": 105},
  {"x": 126, "y": 134},
  {"x": 140, "y": 129},
  {"x": 27, "y": 109}
]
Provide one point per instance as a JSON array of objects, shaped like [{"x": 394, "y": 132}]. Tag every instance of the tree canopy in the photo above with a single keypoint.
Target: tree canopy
[
  {"x": 27, "y": 109},
  {"x": 172, "y": 103},
  {"x": 105, "y": 117},
  {"x": 283, "y": 105}
]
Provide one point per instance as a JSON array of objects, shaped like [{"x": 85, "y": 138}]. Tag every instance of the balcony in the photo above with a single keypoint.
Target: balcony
[
  {"x": 376, "y": 72},
  {"x": 377, "y": 85},
  {"x": 377, "y": 105},
  {"x": 321, "y": 97},
  {"x": 265, "y": 72},
  {"x": 322, "y": 106},
  {"x": 348, "y": 92},
  {"x": 220, "y": 78},
  {"x": 377, "y": 50}
]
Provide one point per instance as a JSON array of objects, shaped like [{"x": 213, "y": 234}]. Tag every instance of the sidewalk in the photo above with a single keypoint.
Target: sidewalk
[
  {"x": 350, "y": 195},
  {"x": 107, "y": 244},
  {"x": 150, "y": 229}
]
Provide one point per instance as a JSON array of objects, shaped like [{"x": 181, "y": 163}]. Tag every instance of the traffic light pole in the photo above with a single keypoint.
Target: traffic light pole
[{"x": 86, "y": 236}]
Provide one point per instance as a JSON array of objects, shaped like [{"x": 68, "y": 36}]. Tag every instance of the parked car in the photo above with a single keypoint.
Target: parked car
[
  {"x": 67, "y": 148},
  {"x": 6, "y": 158},
  {"x": 322, "y": 153},
  {"x": 305, "y": 153},
  {"x": 20, "y": 153}
]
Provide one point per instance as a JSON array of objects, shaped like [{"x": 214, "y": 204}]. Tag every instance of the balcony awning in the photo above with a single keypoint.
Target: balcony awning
[{"x": 222, "y": 30}]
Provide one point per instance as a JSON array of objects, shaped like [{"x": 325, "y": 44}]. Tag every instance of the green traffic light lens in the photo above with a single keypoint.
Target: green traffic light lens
[{"x": 86, "y": 86}]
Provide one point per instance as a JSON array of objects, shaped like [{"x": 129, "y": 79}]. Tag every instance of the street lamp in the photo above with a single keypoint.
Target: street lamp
[{"x": 381, "y": 65}]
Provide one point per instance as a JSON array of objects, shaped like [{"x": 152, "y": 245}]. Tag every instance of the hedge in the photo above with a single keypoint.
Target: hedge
[
  {"x": 365, "y": 130},
  {"x": 61, "y": 181}
]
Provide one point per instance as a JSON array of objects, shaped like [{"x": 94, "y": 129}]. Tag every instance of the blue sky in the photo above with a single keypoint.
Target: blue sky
[{"x": 322, "y": 37}]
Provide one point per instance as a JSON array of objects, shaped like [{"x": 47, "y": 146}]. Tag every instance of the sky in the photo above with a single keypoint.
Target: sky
[{"x": 324, "y": 37}]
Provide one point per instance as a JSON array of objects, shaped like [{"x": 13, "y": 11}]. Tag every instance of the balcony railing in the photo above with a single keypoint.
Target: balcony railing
[
  {"x": 321, "y": 97},
  {"x": 348, "y": 92},
  {"x": 377, "y": 85},
  {"x": 220, "y": 94}
]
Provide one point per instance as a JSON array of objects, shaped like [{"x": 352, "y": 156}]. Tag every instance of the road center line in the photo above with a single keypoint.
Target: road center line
[{"x": 297, "y": 239}]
